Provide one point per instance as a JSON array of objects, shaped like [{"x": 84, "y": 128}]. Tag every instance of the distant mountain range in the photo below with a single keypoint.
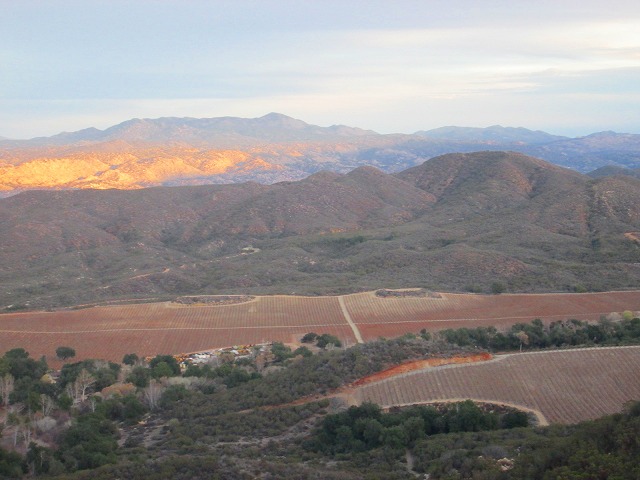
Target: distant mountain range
[
  {"x": 187, "y": 151},
  {"x": 455, "y": 222}
]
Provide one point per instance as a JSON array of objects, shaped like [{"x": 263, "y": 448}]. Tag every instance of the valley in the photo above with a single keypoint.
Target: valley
[{"x": 446, "y": 286}]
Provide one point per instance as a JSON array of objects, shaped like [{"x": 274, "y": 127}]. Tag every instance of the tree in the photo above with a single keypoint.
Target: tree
[
  {"x": 130, "y": 359},
  {"x": 162, "y": 369},
  {"x": 372, "y": 431},
  {"x": 89, "y": 443},
  {"x": 139, "y": 376},
  {"x": 304, "y": 351},
  {"x": 280, "y": 351},
  {"x": 79, "y": 388},
  {"x": 64, "y": 353},
  {"x": 152, "y": 394},
  {"x": 6, "y": 387},
  {"x": 46, "y": 404},
  {"x": 170, "y": 361},
  {"x": 10, "y": 464},
  {"x": 39, "y": 459},
  {"x": 523, "y": 337}
]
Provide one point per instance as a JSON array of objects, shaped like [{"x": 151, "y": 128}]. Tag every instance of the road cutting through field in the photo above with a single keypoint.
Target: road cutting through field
[{"x": 347, "y": 317}]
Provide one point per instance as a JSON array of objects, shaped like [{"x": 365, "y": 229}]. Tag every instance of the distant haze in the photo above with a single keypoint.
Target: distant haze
[
  {"x": 173, "y": 151},
  {"x": 568, "y": 68}
]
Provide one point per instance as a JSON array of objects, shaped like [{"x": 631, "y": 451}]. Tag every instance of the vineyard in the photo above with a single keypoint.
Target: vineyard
[
  {"x": 147, "y": 329},
  {"x": 565, "y": 386},
  {"x": 388, "y": 317}
]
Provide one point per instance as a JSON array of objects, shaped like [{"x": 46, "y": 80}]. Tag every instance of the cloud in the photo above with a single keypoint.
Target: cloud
[{"x": 359, "y": 62}]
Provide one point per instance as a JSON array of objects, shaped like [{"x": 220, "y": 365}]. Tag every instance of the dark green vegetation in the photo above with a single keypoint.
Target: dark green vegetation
[
  {"x": 487, "y": 222},
  {"x": 238, "y": 419},
  {"x": 366, "y": 427},
  {"x": 536, "y": 335},
  {"x": 321, "y": 341},
  {"x": 64, "y": 353},
  {"x": 602, "y": 449}
]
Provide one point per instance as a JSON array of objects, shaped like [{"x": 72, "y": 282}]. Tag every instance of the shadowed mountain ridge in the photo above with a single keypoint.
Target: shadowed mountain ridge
[{"x": 456, "y": 222}]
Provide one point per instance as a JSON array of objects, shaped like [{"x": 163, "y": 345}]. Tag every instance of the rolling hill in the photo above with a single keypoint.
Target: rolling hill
[{"x": 459, "y": 222}]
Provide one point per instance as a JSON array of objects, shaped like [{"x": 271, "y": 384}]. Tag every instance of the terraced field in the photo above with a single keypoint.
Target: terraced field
[
  {"x": 147, "y": 329},
  {"x": 564, "y": 386}
]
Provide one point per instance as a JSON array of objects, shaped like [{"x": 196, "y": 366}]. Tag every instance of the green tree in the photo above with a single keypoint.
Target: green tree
[
  {"x": 139, "y": 376},
  {"x": 372, "y": 431},
  {"x": 90, "y": 443},
  {"x": 11, "y": 465},
  {"x": 64, "y": 353},
  {"x": 280, "y": 351},
  {"x": 39, "y": 458},
  {"x": 304, "y": 351},
  {"x": 162, "y": 369},
  {"x": 171, "y": 362},
  {"x": 130, "y": 359},
  {"x": 309, "y": 337},
  {"x": 326, "y": 339}
]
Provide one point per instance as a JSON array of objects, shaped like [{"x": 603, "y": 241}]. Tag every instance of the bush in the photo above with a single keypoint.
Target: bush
[
  {"x": 326, "y": 339},
  {"x": 309, "y": 337}
]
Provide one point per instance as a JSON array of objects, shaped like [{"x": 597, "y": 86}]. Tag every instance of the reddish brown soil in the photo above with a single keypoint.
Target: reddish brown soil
[
  {"x": 150, "y": 328},
  {"x": 418, "y": 365},
  {"x": 633, "y": 236},
  {"x": 394, "y": 371},
  {"x": 388, "y": 317}
]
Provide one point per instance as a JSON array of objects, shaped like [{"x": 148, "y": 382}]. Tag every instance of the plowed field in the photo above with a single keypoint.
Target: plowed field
[
  {"x": 565, "y": 386},
  {"x": 147, "y": 329}
]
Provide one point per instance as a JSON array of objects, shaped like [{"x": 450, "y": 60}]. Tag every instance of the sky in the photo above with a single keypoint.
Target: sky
[{"x": 566, "y": 67}]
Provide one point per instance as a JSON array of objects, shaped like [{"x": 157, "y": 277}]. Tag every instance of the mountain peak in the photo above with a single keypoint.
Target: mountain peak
[
  {"x": 277, "y": 116},
  {"x": 495, "y": 134},
  {"x": 488, "y": 179}
]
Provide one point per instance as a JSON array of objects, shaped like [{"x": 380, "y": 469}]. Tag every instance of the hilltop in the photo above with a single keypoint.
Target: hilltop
[{"x": 460, "y": 222}]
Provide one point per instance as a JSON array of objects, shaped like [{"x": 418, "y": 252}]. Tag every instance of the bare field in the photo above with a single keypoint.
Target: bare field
[
  {"x": 565, "y": 386},
  {"x": 111, "y": 331}
]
